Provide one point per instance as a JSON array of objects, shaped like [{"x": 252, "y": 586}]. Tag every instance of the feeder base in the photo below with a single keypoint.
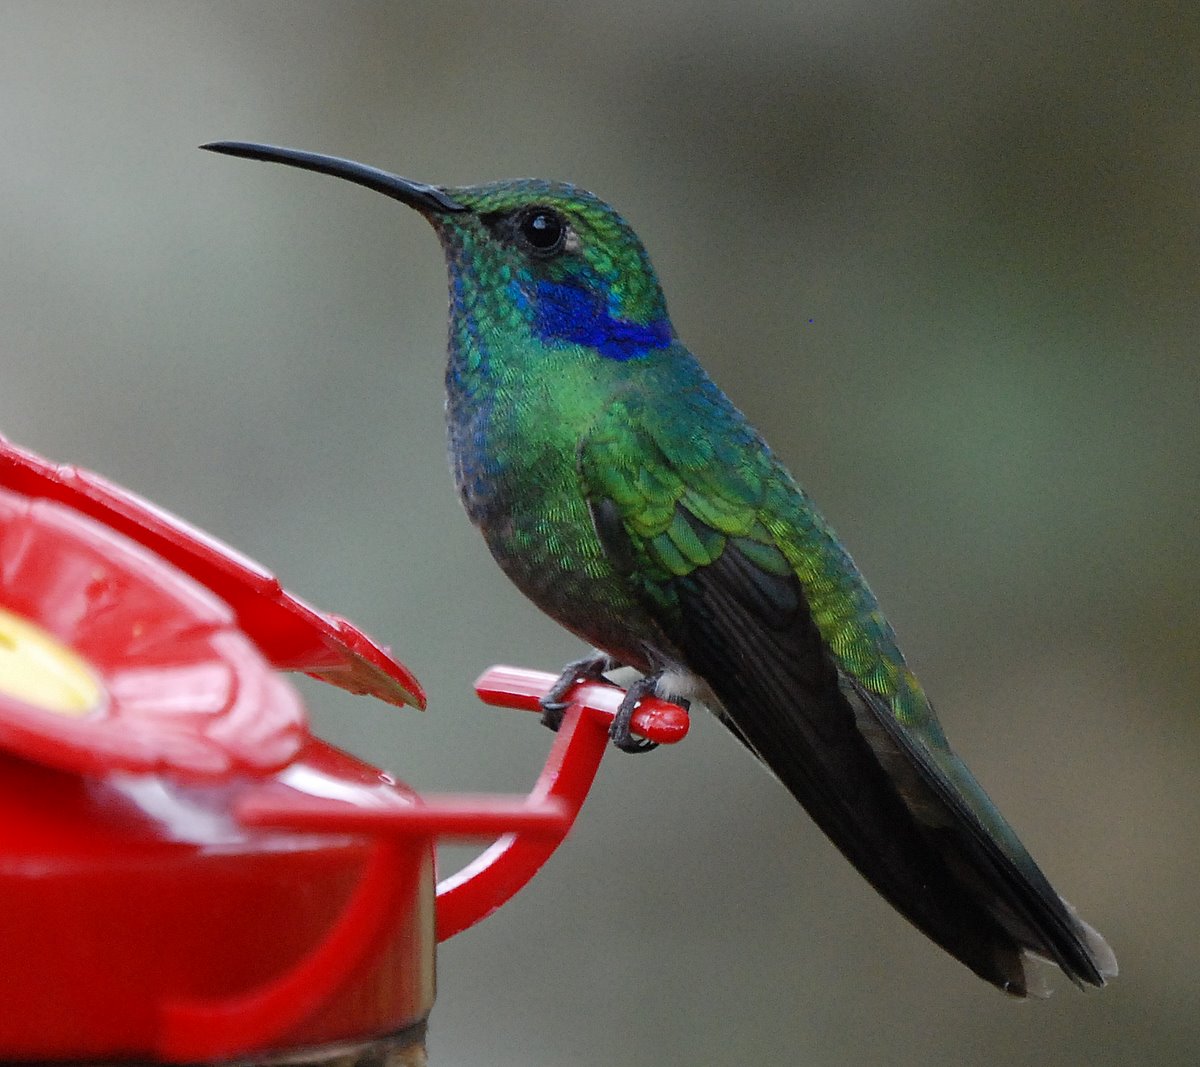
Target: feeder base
[{"x": 404, "y": 1048}]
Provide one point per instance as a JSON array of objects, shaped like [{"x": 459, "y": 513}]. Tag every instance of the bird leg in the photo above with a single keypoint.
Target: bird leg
[{"x": 590, "y": 668}]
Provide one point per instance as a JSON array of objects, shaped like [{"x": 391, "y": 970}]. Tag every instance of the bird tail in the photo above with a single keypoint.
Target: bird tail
[
  {"x": 903, "y": 809},
  {"x": 916, "y": 838}
]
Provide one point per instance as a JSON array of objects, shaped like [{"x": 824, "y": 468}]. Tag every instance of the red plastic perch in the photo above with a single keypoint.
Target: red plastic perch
[{"x": 497, "y": 874}]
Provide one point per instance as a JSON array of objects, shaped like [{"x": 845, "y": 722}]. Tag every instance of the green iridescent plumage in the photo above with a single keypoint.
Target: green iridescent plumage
[{"x": 625, "y": 495}]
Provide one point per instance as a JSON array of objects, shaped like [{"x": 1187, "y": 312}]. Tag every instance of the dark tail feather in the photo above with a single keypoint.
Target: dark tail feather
[
  {"x": 840, "y": 783},
  {"x": 888, "y": 811},
  {"x": 982, "y": 910}
]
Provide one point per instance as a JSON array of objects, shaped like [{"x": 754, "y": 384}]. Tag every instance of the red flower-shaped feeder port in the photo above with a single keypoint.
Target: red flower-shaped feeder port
[
  {"x": 113, "y": 663},
  {"x": 186, "y": 873}
]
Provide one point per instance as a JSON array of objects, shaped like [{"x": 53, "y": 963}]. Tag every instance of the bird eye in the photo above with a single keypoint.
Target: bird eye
[{"x": 544, "y": 231}]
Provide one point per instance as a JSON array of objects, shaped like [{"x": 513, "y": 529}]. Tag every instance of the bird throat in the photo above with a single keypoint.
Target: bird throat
[{"x": 563, "y": 313}]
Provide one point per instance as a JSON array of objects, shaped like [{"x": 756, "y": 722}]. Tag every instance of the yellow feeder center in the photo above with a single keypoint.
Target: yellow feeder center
[{"x": 40, "y": 670}]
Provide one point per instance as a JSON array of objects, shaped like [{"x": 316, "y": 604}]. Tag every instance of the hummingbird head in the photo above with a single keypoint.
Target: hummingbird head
[{"x": 540, "y": 258}]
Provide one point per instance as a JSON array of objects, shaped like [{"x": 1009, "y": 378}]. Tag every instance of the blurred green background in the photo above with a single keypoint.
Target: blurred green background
[{"x": 944, "y": 255}]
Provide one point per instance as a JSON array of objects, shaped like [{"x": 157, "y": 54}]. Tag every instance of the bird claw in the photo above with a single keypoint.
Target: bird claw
[
  {"x": 627, "y": 742},
  {"x": 621, "y": 730},
  {"x": 588, "y": 669},
  {"x": 552, "y": 713}
]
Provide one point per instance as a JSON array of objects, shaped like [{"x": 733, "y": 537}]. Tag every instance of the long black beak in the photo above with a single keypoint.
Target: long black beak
[{"x": 414, "y": 194}]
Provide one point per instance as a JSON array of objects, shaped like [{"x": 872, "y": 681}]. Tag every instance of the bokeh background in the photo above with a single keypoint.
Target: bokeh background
[{"x": 944, "y": 255}]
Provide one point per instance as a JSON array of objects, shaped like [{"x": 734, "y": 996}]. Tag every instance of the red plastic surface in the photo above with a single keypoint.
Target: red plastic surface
[
  {"x": 180, "y": 937},
  {"x": 531, "y": 828},
  {"x": 507, "y": 866},
  {"x": 141, "y": 921},
  {"x": 291, "y": 634},
  {"x": 179, "y": 687}
]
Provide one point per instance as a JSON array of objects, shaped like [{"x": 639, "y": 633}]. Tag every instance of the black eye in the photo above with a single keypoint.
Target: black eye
[{"x": 543, "y": 230}]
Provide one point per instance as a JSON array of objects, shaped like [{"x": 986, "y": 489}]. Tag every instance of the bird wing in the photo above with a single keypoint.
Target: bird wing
[{"x": 761, "y": 601}]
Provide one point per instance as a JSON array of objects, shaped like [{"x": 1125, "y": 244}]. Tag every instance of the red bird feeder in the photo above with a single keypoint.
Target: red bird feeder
[{"x": 187, "y": 874}]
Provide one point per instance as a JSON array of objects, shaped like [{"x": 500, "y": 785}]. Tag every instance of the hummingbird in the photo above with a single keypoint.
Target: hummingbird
[{"x": 623, "y": 493}]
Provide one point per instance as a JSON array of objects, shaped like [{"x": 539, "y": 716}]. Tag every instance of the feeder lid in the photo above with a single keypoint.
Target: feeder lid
[
  {"x": 291, "y": 634},
  {"x": 110, "y": 659}
]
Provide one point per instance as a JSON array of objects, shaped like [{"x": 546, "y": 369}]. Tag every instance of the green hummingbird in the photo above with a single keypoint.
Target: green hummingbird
[{"x": 626, "y": 496}]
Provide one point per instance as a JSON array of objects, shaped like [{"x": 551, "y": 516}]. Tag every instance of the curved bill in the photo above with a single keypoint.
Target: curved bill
[{"x": 414, "y": 194}]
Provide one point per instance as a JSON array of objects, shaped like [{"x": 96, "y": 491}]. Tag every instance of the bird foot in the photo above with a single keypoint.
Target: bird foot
[
  {"x": 621, "y": 730},
  {"x": 588, "y": 669}
]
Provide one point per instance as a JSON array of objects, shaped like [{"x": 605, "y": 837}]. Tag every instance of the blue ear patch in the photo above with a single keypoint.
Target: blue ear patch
[{"x": 567, "y": 314}]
